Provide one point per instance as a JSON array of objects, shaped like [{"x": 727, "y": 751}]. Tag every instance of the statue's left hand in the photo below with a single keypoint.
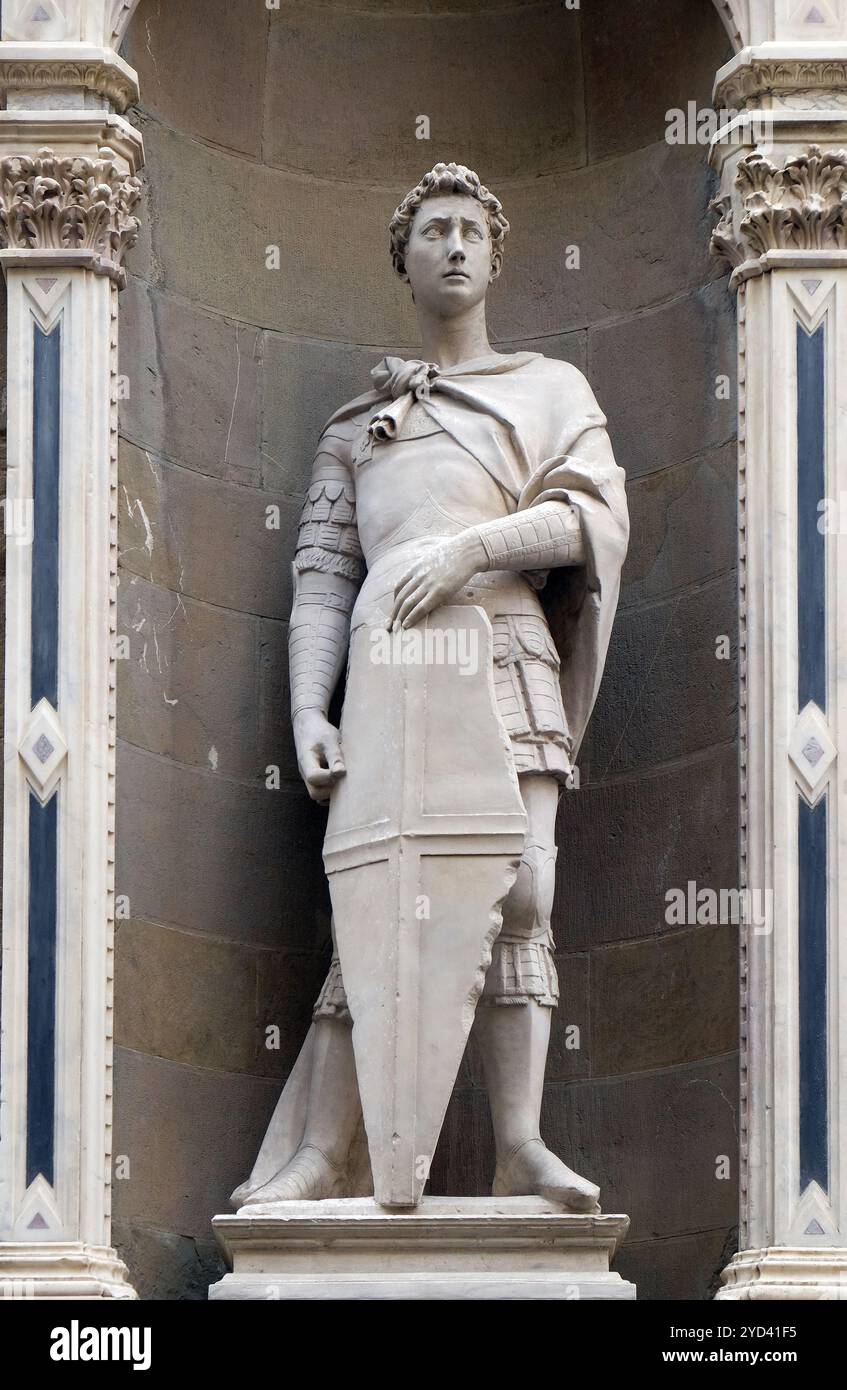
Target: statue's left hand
[{"x": 433, "y": 579}]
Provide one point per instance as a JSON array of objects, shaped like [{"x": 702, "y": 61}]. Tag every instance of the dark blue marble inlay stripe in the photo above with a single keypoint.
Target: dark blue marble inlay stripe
[
  {"x": 41, "y": 990},
  {"x": 811, "y": 490},
  {"x": 45, "y": 488},
  {"x": 812, "y": 967}
]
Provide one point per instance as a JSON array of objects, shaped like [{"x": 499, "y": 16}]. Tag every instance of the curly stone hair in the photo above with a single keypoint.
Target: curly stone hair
[{"x": 444, "y": 178}]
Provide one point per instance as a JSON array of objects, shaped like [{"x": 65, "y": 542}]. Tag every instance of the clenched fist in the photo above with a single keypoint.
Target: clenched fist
[{"x": 319, "y": 756}]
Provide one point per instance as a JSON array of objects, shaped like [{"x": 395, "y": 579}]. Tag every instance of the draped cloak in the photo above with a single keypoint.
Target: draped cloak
[{"x": 558, "y": 448}]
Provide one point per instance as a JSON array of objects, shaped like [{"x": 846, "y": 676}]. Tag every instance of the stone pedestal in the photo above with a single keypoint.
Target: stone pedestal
[{"x": 446, "y": 1248}]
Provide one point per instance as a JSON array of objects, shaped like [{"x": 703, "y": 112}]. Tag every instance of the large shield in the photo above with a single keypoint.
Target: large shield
[{"x": 424, "y": 836}]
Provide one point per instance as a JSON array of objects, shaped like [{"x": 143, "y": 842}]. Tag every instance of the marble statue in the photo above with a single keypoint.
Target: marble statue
[{"x": 471, "y": 495}]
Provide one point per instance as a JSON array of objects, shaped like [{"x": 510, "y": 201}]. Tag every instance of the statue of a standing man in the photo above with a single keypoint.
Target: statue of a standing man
[{"x": 468, "y": 475}]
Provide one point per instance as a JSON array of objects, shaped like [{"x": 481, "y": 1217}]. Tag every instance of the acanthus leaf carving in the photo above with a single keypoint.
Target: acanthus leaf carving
[
  {"x": 724, "y": 243},
  {"x": 800, "y": 206},
  {"x": 69, "y": 203},
  {"x": 106, "y": 79}
]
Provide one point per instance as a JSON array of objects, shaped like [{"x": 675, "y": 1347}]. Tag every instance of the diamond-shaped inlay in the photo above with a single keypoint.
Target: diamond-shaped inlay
[
  {"x": 43, "y": 748},
  {"x": 812, "y": 751}
]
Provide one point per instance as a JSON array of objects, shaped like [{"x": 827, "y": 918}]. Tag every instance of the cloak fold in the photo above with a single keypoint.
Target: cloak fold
[{"x": 560, "y": 449}]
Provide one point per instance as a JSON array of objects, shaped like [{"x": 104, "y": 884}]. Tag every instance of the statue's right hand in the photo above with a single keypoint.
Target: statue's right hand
[{"x": 319, "y": 756}]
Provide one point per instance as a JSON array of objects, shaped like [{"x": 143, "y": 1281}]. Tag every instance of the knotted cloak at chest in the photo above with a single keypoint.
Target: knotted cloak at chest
[{"x": 559, "y": 449}]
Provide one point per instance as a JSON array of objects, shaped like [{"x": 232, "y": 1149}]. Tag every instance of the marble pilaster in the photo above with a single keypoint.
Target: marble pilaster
[
  {"x": 782, "y": 161},
  {"x": 68, "y": 195}
]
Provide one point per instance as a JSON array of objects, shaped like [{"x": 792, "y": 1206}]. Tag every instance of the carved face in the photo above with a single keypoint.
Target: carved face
[{"x": 449, "y": 260}]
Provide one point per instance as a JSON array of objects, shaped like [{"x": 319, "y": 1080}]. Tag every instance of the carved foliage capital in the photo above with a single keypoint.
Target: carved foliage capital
[
  {"x": 817, "y": 82},
  {"x": 106, "y": 79},
  {"x": 61, "y": 203},
  {"x": 798, "y": 206}
]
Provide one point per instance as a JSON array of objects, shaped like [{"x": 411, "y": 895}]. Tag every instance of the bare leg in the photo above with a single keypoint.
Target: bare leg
[
  {"x": 514, "y": 1040},
  {"x": 317, "y": 1169}
]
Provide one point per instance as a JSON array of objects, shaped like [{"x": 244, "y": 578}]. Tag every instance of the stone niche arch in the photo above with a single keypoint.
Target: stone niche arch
[
  {"x": 733, "y": 13},
  {"x": 228, "y": 366},
  {"x": 233, "y": 368},
  {"x": 734, "y": 16}
]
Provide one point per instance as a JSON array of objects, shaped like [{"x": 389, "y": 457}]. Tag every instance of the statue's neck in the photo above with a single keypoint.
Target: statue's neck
[{"x": 451, "y": 341}]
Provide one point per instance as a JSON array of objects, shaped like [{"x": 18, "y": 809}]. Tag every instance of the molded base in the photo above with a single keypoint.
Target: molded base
[
  {"x": 62, "y": 1269},
  {"x": 446, "y": 1248},
  {"x": 786, "y": 1272}
]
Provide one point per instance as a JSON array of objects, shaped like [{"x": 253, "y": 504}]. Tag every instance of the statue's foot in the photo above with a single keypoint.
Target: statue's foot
[
  {"x": 532, "y": 1170},
  {"x": 309, "y": 1177}
]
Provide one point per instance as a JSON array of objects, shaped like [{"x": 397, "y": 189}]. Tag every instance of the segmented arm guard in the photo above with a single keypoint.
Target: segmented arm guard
[
  {"x": 328, "y": 568},
  {"x": 539, "y": 538}
]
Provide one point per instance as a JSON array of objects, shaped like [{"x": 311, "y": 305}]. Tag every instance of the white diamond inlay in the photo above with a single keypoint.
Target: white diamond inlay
[
  {"x": 43, "y": 748},
  {"x": 812, "y": 751}
]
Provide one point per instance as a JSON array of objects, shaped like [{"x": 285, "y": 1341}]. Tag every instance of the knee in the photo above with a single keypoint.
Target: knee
[{"x": 529, "y": 906}]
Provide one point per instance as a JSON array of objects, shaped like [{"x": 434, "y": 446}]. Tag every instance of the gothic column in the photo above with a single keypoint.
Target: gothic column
[
  {"x": 68, "y": 191},
  {"x": 782, "y": 162}
]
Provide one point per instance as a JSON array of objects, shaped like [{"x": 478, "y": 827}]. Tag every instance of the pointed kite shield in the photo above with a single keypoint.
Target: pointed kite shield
[{"x": 424, "y": 837}]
